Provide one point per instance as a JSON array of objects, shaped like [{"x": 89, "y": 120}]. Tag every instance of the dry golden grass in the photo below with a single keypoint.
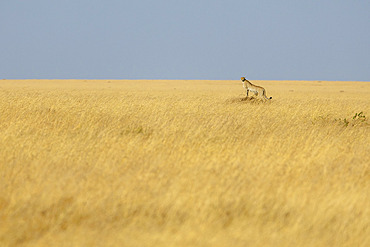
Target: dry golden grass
[{"x": 183, "y": 163}]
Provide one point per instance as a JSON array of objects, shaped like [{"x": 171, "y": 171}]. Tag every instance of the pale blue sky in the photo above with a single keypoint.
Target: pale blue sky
[{"x": 192, "y": 39}]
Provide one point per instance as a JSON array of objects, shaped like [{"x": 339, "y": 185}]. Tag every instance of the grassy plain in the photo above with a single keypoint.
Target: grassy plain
[{"x": 183, "y": 163}]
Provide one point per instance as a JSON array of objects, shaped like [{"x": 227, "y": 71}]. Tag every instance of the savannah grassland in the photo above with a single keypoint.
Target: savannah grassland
[{"x": 184, "y": 163}]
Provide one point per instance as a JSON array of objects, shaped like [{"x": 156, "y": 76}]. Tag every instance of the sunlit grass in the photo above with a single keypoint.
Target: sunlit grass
[{"x": 184, "y": 163}]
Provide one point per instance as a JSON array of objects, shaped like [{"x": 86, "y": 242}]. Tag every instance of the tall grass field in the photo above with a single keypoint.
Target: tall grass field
[{"x": 184, "y": 163}]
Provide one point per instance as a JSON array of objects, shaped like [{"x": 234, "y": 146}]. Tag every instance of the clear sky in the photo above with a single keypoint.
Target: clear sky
[{"x": 188, "y": 39}]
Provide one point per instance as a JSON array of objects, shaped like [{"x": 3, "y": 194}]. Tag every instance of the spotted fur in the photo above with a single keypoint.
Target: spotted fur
[{"x": 257, "y": 90}]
